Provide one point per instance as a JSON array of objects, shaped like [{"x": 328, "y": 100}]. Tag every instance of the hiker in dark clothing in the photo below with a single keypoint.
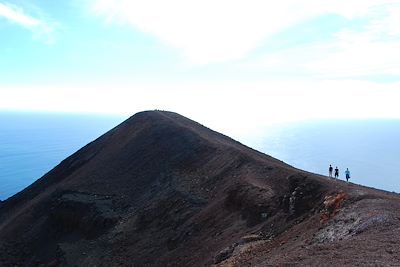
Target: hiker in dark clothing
[
  {"x": 336, "y": 172},
  {"x": 347, "y": 174},
  {"x": 330, "y": 170}
]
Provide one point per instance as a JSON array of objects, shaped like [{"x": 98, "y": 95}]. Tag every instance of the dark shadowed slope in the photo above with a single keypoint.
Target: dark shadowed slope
[{"x": 162, "y": 190}]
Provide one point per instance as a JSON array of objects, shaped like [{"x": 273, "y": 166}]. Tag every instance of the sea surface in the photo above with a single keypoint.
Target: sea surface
[
  {"x": 33, "y": 144},
  {"x": 369, "y": 148}
]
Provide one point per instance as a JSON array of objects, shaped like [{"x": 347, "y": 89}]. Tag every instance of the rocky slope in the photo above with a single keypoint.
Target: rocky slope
[{"x": 162, "y": 190}]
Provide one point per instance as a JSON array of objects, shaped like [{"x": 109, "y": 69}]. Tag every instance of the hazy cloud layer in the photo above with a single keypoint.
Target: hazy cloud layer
[{"x": 261, "y": 103}]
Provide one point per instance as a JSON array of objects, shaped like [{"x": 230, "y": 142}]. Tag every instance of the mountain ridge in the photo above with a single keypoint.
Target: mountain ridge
[{"x": 163, "y": 190}]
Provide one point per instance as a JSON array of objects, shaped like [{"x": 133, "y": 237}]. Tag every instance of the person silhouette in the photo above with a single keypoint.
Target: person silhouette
[
  {"x": 347, "y": 174},
  {"x": 336, "y": 172},
  {"x": 330, "y": 170}
]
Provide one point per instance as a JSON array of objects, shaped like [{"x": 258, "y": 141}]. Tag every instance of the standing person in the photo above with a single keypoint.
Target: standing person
[
  {"x": 347, "y": 174},
  {"x": 330, "y": 170},
  {"x": 336, "y": 172}
]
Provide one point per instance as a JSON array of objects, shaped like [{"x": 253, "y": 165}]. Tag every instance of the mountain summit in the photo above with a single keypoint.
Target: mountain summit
[{"x": 162, "y": 190}]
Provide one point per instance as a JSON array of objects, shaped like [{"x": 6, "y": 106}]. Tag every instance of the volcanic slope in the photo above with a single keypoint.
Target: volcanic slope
[{"x": 162, "y": 190}]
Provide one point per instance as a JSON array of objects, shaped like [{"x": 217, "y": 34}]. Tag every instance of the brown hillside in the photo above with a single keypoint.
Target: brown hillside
[{"x": 162, "y": 190}]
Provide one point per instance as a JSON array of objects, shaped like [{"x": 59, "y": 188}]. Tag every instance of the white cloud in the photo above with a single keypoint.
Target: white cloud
[
  {"x": 16, "y": 15},
  {"x": 40, "y": 28},
  {"x": 359, "y": 58},
  {"x": 388, "y": 23},
  {"x": 205, "y": 31},
  {"x": 218, "y": 30},
  {"x": 369, "y": 50}
]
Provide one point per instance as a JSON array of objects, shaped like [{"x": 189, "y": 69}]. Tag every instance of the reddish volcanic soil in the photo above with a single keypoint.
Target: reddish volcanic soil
[{"x": 162, "y": 190}]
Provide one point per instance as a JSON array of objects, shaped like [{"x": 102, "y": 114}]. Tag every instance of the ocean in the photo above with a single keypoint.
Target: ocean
[
  {"x": 369, "y": 148},
  {"x": 32, "y": 144}
]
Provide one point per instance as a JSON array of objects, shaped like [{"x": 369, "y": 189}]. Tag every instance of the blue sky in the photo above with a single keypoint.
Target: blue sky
[{"x": 219, "y": 62}]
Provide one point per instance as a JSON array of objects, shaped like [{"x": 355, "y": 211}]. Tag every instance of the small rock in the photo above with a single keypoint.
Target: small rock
[
  {"x": 251, "y": 238},
  {"x": 224, "y": 254}
]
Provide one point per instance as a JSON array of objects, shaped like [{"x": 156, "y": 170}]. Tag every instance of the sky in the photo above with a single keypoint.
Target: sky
[{"x": 223, "y": 63}]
